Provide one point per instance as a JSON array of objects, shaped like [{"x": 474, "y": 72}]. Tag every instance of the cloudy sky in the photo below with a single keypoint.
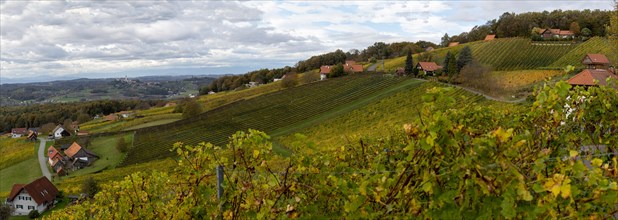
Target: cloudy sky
[{"x": 46, "y": 40}]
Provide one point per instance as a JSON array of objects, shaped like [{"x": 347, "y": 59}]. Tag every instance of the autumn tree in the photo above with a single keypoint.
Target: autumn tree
[
  {"x": 191, "y": 108},
  {"x": 290, "y": 80},
  {"x": 574, "y": 27}
]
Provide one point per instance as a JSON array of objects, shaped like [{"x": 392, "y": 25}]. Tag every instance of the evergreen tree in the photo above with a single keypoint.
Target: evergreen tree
[
  {"x": 90, "y": 187},
  {"x": 465, "y": 57},
  {"x": 409, "y": 63},
  {"x": 451, "y": 66},
  {"x": 447, "y": 58},
  {"x": 445, "y": 40}
]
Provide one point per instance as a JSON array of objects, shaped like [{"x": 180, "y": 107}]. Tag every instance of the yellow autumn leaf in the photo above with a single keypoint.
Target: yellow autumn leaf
[
  {"x": 256, "y": 153},
  {"x": 565, "y": 191},
  {"x": 573, "y": 153},
  {"x": 597, "y": 162},
  {"x": 555, "y": 190}
]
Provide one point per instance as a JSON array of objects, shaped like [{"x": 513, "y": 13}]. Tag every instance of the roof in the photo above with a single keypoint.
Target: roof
[
  {"x": 325, "y": 69},
  {"x": 554, "y": 31},
  {"x": 18, "y": 130},
  {"x": 353, "y": 67},
  {"x": 452, "y": 44},
  {"x": 490, "y": 37},
  {"x": 57, "y": 127},
  {"x": 565, "y": 32},
  {"x": 429, "y": 66},
  {"x": 429, "y": 49},
  {"x": 52, "y": 151},
  {"x": 587, "y": 77},
  {"x": 595, "y": 59},
  {"x": 73, "y": 149},
  {"x": 15, "y": 190},
  {"x": 170, "y": 104},
  {"x": 41, "y": 190}
]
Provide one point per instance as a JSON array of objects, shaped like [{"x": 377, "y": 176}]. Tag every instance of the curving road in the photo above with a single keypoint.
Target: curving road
[{"x": 42, "y": 159}]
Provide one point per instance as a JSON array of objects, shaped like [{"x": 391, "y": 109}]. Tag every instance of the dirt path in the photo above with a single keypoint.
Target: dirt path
[
  {"x": 480, "y": 93},
  {"x": 42, "y": 159}
]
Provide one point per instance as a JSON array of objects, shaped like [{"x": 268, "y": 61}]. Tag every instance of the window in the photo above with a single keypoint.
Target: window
[
  {"x": 19, "y": 206},
  {"x": 30, "y": 207}
]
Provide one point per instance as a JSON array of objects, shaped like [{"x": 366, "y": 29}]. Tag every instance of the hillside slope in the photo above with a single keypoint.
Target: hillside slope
[
  {"x": 519, "y": 53},
  {"x": 269, "y": 112}
]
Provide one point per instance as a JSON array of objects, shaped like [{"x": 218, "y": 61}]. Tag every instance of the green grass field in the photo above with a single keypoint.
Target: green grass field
[
  {"x": 105, "y": 148},
  {"x": 152, "y": 123}
]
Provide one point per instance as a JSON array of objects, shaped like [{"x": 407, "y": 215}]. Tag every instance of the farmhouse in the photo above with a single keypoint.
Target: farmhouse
[
  {"x": 56, "y": 160},
  {"x": 596, "y": 73},
  {"x": 59, "y": 132},
  {"x": 490, "y": 37},
  {"x": 38, "y": 195},
  {"x": 596, "y": 61},
  {"x": 18, "y": 132},
  {"x": 80, "y": 157},
  {"x": 555, "y": 33},
  {"x": 452, "y": 44},
  {"x": 32, "y": 136},
  {"x": 428, "y": 68},
  {"x": 349, "y": 67}
]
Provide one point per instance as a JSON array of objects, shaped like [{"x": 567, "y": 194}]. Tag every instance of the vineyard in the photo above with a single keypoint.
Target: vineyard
[
  {"x": 380, "y": 118},
  {"x": 518, "y": 53},
  {"x": 14, "y": 150},
  {"x": 593, "y": 45},
  {"x": 268, "y": 112}
]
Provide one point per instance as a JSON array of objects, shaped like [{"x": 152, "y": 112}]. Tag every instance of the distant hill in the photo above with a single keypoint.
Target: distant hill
[{"x": 83, "y": 89}]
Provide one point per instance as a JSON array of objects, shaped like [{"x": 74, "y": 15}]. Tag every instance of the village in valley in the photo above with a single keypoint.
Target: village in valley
[{"x": 399, "y": 129}]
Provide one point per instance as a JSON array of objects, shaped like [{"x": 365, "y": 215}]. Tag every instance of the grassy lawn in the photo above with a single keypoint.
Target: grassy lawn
[
  {"x": 153, "y": 123},
  {"x": 22, "y": 172},
  {"x": 14, "y": 150},
  {"x": 109, "y": 156}
]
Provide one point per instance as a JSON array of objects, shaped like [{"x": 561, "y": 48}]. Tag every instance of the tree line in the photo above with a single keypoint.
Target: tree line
[
  {"x": 57, "y": 113},
  {"x": 521, "y": 25},
  {"x": 378, "y": 50}
]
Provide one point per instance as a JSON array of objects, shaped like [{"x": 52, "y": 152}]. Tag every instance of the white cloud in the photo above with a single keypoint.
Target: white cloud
[{"x": 79, "y": 37}]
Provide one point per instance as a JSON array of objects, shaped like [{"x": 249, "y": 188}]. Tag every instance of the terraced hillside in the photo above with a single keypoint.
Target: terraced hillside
[
  {"x": 270, "y": 112},
  {"x": 520, "y": 53},
  {"x": 381, "y": 118}
]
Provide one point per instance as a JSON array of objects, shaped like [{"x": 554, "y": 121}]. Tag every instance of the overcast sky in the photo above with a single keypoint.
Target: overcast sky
[{"x": 51, "y": 39}]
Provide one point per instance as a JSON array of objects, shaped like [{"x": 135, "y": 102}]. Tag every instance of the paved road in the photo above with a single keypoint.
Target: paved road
[
  {"x": 43, "y": 160},
  {"x": 372, "y": 67}
]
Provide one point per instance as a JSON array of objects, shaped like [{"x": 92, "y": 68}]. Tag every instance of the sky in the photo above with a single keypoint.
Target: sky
[{"x": 49, "y": 40}]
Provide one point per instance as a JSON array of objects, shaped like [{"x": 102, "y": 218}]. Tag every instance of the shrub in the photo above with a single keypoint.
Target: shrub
[{"x": 33, "y": 214}]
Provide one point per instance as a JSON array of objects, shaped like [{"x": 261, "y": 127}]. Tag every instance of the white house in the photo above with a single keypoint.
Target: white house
[
  {"x": 18, "y": 132},
  {"x": 38, "y": 195},
  {"x": 59, "y": 132}
]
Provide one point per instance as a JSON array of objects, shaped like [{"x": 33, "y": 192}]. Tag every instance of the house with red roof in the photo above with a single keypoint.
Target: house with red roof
[
  {"x": 18, "y": 132},
  {"x": 79, "y": 157},
  {"x": 427, "y": 68},
  {"x": 56, "y": 161},
  {"x": 490, "y": 37},
  {"x": 348, "y": 67},
  {"x": 38, "y": 195},
  {"x": 555, "y": 33},
  {"x": 597, "y": 71},
  {"x": 452, "y": 44}
]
